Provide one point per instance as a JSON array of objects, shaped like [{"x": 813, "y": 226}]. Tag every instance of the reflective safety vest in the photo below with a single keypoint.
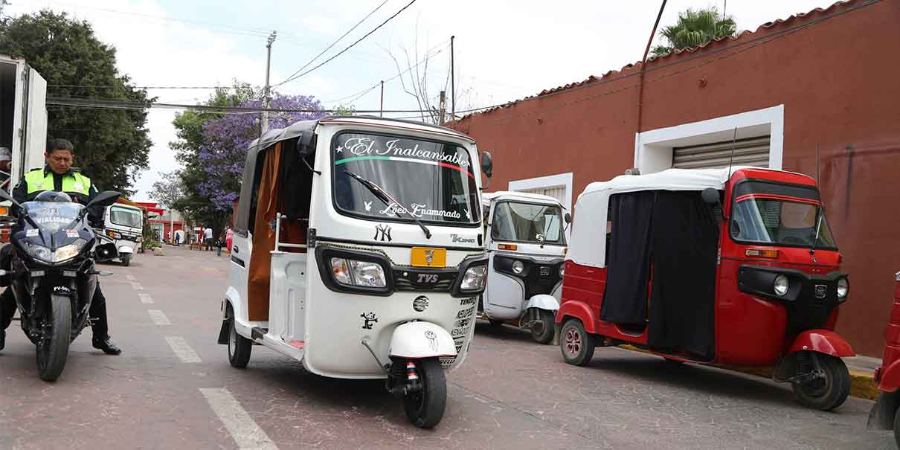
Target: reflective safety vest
[{"x": 73, "y": 182}]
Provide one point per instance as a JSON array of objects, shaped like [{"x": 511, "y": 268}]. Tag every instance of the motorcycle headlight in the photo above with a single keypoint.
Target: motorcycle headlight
[
  {"x": 358, "y": 273},
  {"x": 473, "y": 279},
  {"x": 38, "y": 252},
  {"x": 61, "y": 254},
  {"x": 843, "y": 288},
  {"x": 780, "y": 286},
  {"x": 518, "y": 267}
]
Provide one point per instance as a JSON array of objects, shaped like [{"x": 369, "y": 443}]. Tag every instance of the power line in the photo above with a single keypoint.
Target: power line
[
  {"x": 113, "y": 86},
  {"x": 357, "y": 95},
  {"x": 347, "y": 48},
  {"x": 338, "y": 39},
  {"x": 125, "y": 105}
]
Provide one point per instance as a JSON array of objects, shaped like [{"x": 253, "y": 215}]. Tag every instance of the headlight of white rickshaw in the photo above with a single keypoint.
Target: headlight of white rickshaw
[
  {"x": 518, "y": 267},
  {"x": 843, "y": 288},
  {"x": 358, "y": 273},
  {"x": 780, "y": 286},
  {"x": 367, "y": 274},
  {"x": 473, "y": 279}
]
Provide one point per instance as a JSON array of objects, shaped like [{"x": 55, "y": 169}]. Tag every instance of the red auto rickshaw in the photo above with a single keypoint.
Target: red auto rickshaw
[
  {"x": 884, "y": 414},
  {"x": 713, "y": 266}
]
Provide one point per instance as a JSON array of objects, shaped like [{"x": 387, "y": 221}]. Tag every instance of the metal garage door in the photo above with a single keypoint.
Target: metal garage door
[
  {"x": 747, "y": 152},
  {"x": 557, "y": 192}
]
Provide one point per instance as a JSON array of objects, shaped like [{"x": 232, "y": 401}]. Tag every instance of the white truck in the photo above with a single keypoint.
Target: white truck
[{"x": 23, "y": 120}]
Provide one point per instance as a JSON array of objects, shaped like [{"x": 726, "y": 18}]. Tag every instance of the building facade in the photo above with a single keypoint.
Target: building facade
[{"x": 817, "y": 93}]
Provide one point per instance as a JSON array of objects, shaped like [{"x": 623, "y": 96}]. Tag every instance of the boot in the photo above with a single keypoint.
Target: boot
[{"x": 106, "y": 344}]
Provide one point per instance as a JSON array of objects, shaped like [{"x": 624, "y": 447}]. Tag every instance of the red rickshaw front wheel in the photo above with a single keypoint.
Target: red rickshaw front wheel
[{"x": 827, "y": 391}]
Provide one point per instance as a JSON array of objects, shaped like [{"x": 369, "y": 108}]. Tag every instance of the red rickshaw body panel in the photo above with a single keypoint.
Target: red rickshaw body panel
[
  {"x": 822, "y": 341},
  {"x": 890, "y": 377},
  {"x": 581, "y": 295}
]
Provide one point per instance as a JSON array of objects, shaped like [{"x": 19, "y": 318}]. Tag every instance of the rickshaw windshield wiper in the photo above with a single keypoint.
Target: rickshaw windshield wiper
[
  {"x": 383, "y": 195},
  {"x": 821, "y": 214}
]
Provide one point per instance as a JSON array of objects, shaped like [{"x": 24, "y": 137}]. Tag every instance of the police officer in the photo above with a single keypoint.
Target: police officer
[{"x": 58, "y": 175}]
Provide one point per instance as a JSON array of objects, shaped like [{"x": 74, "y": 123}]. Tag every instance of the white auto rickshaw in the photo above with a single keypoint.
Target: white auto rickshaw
[
  {"x": 124, "y": 224},
  {"x": 358, "y": 250},
  {"x": 526, "y": 243}
]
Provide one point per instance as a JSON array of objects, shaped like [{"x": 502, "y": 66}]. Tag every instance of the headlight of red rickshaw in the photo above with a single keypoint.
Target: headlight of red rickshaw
[
  {"x": 781, "y": 285},
  {"x": 843, "y": 288}
]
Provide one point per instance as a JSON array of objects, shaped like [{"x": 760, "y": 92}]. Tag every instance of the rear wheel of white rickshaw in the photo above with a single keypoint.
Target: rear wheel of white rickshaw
[
  {"x": 577, "y": 345},
  {"x": 542, "y": 327},
  {"x": 239, "y": 347},
  {"x": 829, "y": 391},
  {"x": 425, "y": 408}
]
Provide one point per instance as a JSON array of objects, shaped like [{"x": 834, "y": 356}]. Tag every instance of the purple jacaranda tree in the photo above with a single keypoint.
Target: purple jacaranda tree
[{"x": 226, "y": 140}]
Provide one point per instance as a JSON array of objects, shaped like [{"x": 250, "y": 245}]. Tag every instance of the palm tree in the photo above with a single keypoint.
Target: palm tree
[{"x": 695, "y": 28}]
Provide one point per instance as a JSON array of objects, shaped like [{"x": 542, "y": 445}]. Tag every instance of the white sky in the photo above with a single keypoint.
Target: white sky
[{"x": 505, "y": 49}]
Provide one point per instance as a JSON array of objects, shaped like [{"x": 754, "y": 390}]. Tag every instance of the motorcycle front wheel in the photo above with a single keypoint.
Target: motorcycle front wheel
[{"x": 53, "y": 346}]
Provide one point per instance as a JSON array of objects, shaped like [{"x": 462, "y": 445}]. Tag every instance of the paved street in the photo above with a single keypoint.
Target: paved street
[{"x": 173, "y": 388}]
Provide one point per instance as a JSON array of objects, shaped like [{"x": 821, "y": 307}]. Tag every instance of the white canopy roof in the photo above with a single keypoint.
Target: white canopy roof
[{"x": 588, "y": 243}]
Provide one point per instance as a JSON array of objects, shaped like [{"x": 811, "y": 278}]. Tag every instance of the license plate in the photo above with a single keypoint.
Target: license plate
[{"x": 428, "y": 257}]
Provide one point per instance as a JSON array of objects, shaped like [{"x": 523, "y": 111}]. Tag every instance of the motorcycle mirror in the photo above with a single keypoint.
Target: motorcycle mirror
[
  {"x": 487, "y": 163},
  {"x": 105, "y": 198},
  {"x": 5, "y": 196},
  {"x": 710, "y": 196}
]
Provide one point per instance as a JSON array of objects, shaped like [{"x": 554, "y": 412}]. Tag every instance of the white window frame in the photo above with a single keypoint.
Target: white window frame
[{"x": 653, "y": 148}]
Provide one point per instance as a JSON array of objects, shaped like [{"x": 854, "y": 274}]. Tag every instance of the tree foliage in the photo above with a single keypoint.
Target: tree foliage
[
  {"x": 212, "y": 147},
  {"x": 695, "y": 28},
  {"x": 111, "y": 145}
]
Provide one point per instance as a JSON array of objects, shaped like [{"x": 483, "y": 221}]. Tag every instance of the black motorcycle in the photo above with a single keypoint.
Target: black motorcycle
[{"x": 52, "y": 272}]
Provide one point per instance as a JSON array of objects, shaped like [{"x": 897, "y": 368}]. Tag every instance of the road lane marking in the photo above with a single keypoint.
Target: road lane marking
[
  {"x": 181, "y": 348},
  {"x": 137, "y": 286},
  {"x": 159, "y": 317},
  {"x": 146, "y": 298},
  {"x": 130, "y": 277},
  {"x": 245, "y": 432}
]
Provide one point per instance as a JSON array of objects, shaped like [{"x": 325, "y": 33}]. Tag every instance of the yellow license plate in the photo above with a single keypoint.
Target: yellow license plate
[{"x": 429, "y": 257}]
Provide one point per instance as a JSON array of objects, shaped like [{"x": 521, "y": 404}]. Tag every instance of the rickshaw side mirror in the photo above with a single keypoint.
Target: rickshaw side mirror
[
  {"x": 568, "y": 218},
  {"x": 305, "y": 143},
  {"x": 487, "y": 163},
  {"x": 710, "y": 196}
]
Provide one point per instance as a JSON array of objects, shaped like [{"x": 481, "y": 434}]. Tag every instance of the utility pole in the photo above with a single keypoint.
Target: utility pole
[
  {"x": 265, "y": 114},
  {"x": 382, "y": 99},
  {"x": 443, "y": 107},
  {"x": 452, "y": 82}
]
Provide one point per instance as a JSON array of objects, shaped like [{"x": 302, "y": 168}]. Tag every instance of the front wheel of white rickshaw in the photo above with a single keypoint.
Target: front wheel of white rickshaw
[
  {"x": 239, "y": 347},
  {"x": 828, "y": 391},
  {"x": 425, "y": 407},
  {"x": 542, "y": 327}
]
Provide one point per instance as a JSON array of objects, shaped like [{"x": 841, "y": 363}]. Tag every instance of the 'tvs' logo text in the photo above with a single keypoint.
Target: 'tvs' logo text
[{"x": 427, "y": 278}]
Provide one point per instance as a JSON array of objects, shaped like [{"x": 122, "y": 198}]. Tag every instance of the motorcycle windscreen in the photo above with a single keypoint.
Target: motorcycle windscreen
[
  {"x": 684, "y": 245},
  {"x": 628, "y": 259}
]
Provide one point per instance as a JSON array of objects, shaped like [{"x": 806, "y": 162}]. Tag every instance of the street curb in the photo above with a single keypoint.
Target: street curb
[{"x": 862, "y": 384}]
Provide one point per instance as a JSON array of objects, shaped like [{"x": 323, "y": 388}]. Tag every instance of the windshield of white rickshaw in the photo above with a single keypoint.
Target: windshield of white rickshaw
[
  {"x": 526, "y": 222},
  {"x": 125, "y": 217},
  {"x": 781, "y": 222},
  {"x": 52, "y": 216},
  {"x": 432, "y": 180}
]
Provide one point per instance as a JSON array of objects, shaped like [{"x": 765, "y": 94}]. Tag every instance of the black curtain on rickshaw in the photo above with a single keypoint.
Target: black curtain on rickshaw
[
  {"x": 628, "y": 259},
  {"x": 684, "y": 242},
  {"x": 670, "y": 238}
]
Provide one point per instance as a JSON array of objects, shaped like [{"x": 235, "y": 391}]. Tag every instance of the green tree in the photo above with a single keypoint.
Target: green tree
[
  {"x": 111, "y": 145},
  {"x": 192, "y": 203},
  {"x": 695, "y": 28}
]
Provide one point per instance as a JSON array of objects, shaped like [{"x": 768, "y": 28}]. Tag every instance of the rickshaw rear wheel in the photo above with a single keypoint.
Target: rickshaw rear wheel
[
  {"x": 542, "y": 329},
  {"x": 576, "y": 344},
  {"x": 239, "y": 347},
  {"x": 829, "y": 391},
  {"x": 425, "y": 408}
]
